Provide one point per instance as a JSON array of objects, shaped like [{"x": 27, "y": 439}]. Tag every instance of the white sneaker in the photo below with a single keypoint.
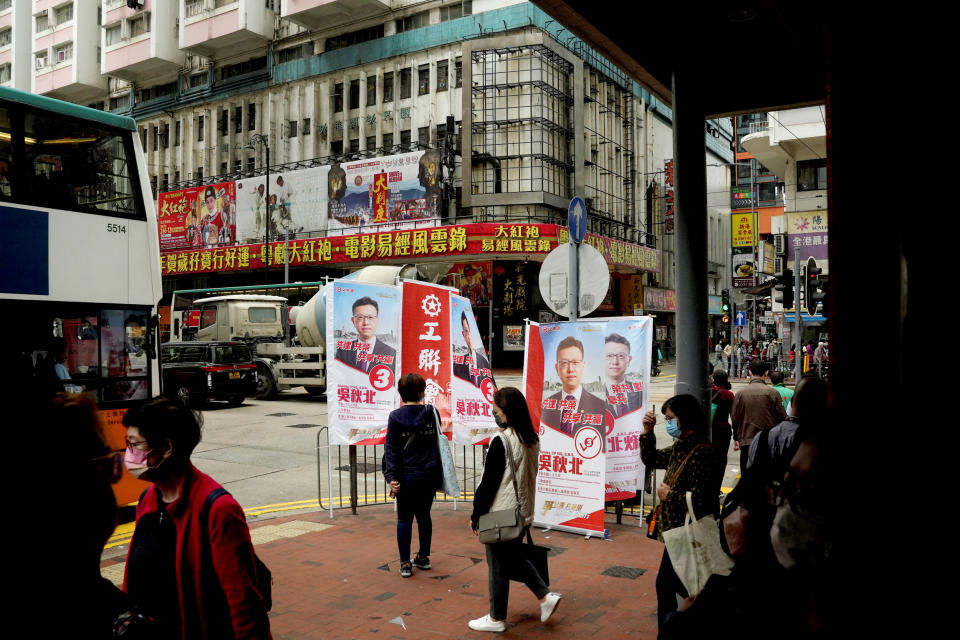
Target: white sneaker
[
  {"x": 486, "y": 623},
  {"x": 549, "y": 605}
]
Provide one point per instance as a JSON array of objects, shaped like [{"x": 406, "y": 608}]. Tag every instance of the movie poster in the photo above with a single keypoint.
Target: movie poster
[
  {"x": 426, "y": 343},
  {"x": 473, "y": 381},
  {"x": 390, "y": 192},
  {"x": 475, "y": 281},
  {"x": 363, "y": 331},
  {"x": 198, "y": 217},
  {"x": 297, "y": 204}
]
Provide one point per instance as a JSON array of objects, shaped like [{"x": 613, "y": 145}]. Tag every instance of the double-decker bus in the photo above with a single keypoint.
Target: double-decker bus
[{"x": 80, "y": 265}]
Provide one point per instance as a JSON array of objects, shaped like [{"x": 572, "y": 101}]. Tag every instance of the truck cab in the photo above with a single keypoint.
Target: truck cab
[{"x": 251, "y": 318}]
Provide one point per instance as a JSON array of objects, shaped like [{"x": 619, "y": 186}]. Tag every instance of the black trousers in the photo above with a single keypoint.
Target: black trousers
[
  {"x": 504, "y": 560},
  {"x": 668, "y": 587}
]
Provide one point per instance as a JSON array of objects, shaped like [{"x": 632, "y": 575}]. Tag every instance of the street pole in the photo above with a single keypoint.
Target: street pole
[
  {"x": 266, "y": 245},
  {"x": 574, "y": 293},
  {"x": 798, "y": 325}
]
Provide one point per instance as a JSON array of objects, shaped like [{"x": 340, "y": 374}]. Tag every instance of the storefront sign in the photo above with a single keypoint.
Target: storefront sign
[
  {"x": 198, "y": 217},
  {"x": 807, "y": 230},
  {"x": 659, "y": 299},
  {"x": 669, "y": 220},
  {"x": 741, "y": 230}
]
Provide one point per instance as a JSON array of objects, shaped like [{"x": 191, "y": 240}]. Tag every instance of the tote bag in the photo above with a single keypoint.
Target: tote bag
[
  {"x": 695, "y": 552},
  {"x": 451, "y": 486}
]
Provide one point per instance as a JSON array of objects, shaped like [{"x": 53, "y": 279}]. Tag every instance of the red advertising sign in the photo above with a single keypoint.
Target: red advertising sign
[
  {"x": 425, "y": 346},
  {"x": 198, "y": 217},
  {"x": 380, "y": 192}
]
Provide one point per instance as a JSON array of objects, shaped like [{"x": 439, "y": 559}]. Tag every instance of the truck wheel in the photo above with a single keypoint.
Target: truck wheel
[
  {"x": 266, "y": 385},
  {"x": 316, "y": 391},
  {"x": 235, "y": 401}
]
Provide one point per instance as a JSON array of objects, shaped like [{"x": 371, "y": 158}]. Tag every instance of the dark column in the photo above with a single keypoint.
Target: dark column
[{"x": 690, "y": 211}]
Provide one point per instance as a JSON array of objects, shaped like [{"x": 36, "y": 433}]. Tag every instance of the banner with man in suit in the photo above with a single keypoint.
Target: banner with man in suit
[{"x": 473, "y": 383}]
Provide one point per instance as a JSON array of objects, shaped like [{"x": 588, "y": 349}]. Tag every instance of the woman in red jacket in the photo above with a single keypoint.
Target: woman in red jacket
[{"x": 195, "y": 581}]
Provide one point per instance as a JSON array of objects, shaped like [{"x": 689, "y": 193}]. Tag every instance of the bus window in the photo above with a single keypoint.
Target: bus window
[
  {"x": 123, "y": 359},
  {"x": 208, "y": 317},
  {"x": 6, "y": 153}
]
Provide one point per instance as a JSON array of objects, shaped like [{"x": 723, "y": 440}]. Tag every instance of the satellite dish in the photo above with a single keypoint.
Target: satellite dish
[{"x": 554, "y": 281}]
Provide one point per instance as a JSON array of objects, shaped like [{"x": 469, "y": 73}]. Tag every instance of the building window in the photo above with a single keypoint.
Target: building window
[
  {"x": 355, "y": 145},
  {"x": 165, "y": 137},
  {"x": 338, "y": 97},
  {"x": 5, "y": 72},
  {"x": 354, "y": 37},
  {"x": 199, "y": 174},
  {"x": 458, "y": 70},
  {"x": 295, "y": 53},
  {"x": 371, "y": 91},
  {"x": 237, "y": 166},
  {"x": 165, "y": 182},
  {"x": 251, "y": 164},
  {"x": 387, "y": 141},
  {"x": 199, "y": 128},
  {"x": 388, "y": 87},
  {"x": 441, "y": 134},
  {"x": 63, "y": 53},
  {"x": 6, "y": 37},
  {"x": 176, "y": 134},
  {"x": 120, "y": 102},
  {"x": 406, "y": 76},
  {"x": 423, "y": 79},
  {"x": 455, "y": 11},
  {"x": 199, "y": 79},
  {"x": 306, "y": 127},
  {"x": 155, "y": 134},
  {"x": 113, "y": 34},
  {"x": 405, "y": 140},
  {"x": 40, "y": 59},
  {"x": 192, "y": 8},
  {"x": 251, "y": 116},
  {"x": 354, "y": 94},
  {"x": 43, "y": 22},
  {"x": 442, "y": 74},
  {"x": 336, "y": 147},
  {"x": 252, "y": 65},
  {"x": 292, "y": 129},
  {"x": 371, "y": 143},
  {"x": 223, "y": 3},
  {"x": 415, "y": 21},
  {"x": 423, "y": 136},
  {"x": 811, "y": 175},
  {"x": 139, "y": 25},
  {"x": 237, "y": 119},
  {"x": 153, "y": 186},
  {"x": 5, "y": 4},
  {"x": 143, "y": 138},
  {"x": 176, "y": 178},
  {"x": 223, "y": 168},
  {"x": 224, "y": 122},
  {"x": 63, "y": 14}
]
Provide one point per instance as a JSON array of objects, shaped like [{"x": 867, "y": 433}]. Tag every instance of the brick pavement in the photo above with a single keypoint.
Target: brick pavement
[{"x": 343, "y": 581}]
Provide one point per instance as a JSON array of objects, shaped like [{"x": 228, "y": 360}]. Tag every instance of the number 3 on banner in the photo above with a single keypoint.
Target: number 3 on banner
[{"x": 381, "y": 377}]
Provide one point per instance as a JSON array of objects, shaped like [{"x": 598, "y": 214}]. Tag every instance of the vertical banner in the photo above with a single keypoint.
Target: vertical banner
[
  {"x": 563, "y": 381},
  {"x": 473, "y": 382},
  {"x": 426, "y": 342},
  {"x": 626, "y": 377},
  {"x": 363, "y": 324},
  {"x": 197, "y": 217}
]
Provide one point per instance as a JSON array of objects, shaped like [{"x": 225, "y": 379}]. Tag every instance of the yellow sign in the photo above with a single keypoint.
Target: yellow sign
[{"x": 741, "y": 230}]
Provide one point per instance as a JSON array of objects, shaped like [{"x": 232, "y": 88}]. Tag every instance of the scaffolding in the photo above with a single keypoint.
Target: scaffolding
[{"x": 522, "y": 110}]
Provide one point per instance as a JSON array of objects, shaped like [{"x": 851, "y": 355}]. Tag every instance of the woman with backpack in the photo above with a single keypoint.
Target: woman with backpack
[{"x": 191, "y": 565}]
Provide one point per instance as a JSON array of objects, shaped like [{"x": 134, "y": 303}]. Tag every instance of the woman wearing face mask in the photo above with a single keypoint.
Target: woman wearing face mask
[
  {"x": 495, "y": 493},
  {"x": 195, "y": 582},
  {"x": 690, "y": 464},
  {"x": 411, "y": 464}
]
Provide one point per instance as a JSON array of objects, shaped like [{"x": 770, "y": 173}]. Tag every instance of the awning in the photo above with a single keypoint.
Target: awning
[{"x": 790, "y": 318}]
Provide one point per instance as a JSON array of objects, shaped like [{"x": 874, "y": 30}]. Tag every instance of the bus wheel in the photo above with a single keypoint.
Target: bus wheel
[{"x": 266, "y": 386}]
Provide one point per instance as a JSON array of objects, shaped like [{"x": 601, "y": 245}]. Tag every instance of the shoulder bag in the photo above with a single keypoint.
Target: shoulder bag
[
  {"x": 450, "y": 485},
  {"x": 655, "y": 516},
  {"x": 507, "y": 524},
  {"x": 694, "y": 550}
]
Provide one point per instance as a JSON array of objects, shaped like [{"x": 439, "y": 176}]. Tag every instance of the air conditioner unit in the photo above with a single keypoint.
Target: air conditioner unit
[
  {"x": 778, "y": 264},
  {"x": 43, "y": 13},
  {"x": 780, "y": 243}
]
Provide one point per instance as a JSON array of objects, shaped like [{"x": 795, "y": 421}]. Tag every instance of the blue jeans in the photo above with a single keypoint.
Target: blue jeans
[{"x": 414, "y": 501}]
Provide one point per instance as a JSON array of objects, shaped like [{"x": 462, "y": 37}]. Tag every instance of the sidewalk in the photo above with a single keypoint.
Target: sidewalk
[{"x": 339, "y": 579}]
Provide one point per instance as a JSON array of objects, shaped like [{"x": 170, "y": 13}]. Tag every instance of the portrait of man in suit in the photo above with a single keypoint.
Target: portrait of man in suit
[
  {"x": 622, "y": 396},
  {"x": 573, "y": 407},
  {"x": 365, "y": 319},
  {"x": 477, "y": 368}
]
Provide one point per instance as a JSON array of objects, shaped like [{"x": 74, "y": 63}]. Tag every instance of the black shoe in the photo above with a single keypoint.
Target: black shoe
[
  {"x": 406, "y": 570},
  {"x": 421, "y": 562}
]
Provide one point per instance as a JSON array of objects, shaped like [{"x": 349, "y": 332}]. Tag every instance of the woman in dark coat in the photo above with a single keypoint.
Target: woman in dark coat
[{"x": 411, "y": 464}]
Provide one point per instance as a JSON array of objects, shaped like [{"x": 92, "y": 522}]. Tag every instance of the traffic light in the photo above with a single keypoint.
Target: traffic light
[
  {"x": 812, "y": 292},
  {"x": 725, "y": 319},
  {"x": 725, "y": 300},
  {"x": 785, "y": 287}
]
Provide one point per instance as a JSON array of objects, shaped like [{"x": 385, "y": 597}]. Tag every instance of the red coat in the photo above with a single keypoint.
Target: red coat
[{"x": 204, "y": 616}]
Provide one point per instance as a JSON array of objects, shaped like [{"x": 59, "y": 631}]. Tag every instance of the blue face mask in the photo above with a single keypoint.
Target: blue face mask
[{"x": 673, "y": 429}]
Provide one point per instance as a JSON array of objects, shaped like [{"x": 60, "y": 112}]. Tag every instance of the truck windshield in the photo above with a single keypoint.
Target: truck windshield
[
  {"x": 262, "y": 314},
  {"x": 231, "y": 354}
]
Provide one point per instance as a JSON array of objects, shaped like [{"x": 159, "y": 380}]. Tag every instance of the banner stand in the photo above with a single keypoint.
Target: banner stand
[{"x": 586, "y": 533}]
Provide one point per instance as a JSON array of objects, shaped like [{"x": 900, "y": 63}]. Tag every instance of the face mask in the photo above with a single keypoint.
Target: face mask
[
  {"x": 797, "y": 539},
  {"x": 673, "y": 429},
  {"x": 136, "y": 462},
  {"x": 500, "y": 422}
]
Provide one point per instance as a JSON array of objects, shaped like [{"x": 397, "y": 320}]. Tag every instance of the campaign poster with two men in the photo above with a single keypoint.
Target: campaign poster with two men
[{"x": 586, "y": 383}]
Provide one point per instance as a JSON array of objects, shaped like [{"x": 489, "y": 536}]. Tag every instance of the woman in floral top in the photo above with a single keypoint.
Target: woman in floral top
[{"x": 690, "y": 464}]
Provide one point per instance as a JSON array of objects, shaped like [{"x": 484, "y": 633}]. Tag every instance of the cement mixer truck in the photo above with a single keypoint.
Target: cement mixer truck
[{"x": 287, "y": 334}]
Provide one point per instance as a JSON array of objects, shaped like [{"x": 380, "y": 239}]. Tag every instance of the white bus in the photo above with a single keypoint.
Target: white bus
[{"x": 80, "y": 263}]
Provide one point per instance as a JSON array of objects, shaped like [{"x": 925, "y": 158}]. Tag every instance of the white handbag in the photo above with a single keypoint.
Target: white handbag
[{"x": 695, "y": 552}]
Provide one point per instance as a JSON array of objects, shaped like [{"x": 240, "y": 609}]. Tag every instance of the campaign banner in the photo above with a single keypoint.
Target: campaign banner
[
  {"x": 198, "y": 217},
  {"x": 626, "y": 377},
  {"x": 473, "y": 381},
  {"x": 426, "y": 343},
  {"x": 297, "y": 204},
  {"x": 567, "y": 399},
  {"x": 363, "y": 328},
  {"x": 391, "y": 192}
]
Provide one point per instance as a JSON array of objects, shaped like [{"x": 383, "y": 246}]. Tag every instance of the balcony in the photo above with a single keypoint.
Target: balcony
[
  {"x": 140, "y": 44},
  {"x": 328, "y": 14},
  {"x": 217, "y": 28}
]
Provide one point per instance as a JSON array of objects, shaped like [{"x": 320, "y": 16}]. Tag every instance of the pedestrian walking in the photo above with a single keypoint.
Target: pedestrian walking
[
  {"x": 722, "y": 397},
  {"x": 718, "y": 355},
  {"x": 755, "y": 408},
  {"x": 690, "y": 464},
  {"x": 512, "y": 456},
  {"x": 196, "y": 581},
  {"x": 411, "y": 464},
  {"x": 776, "y": 379},
  {"x": 728, "y": 353}
]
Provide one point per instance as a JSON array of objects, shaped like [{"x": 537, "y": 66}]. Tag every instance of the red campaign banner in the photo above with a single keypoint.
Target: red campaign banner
[
  {"x": 380, "y": 192},
  {"x": 425, "y": 343},
  {"x": 198, "y": 217},
  {"x": 455, "y": 242}
]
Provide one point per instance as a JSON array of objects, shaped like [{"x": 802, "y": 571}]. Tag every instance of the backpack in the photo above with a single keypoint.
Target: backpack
[{"x": 264, "y": 577}]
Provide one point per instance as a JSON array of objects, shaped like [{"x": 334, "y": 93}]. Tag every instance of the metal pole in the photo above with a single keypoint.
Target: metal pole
[
  {"x": 266, "y": 245},
  {"x": 798, "y": 325},
  {"x": 286, "y": 255},
  {"x": 574, "y": 293},
  {"x": 690, "y": 176},
  {"x": 353, "y": 479}
]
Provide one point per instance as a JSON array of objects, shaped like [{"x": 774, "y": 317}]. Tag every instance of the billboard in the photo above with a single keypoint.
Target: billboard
[
  {"x": 298, "y": 203},
  {"x": 198, "y": 217},
  {"x": 807, "y": 230}
]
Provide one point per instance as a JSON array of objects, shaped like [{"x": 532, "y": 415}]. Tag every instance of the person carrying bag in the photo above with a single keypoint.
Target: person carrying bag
[{"x": 503, "y": 510}]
